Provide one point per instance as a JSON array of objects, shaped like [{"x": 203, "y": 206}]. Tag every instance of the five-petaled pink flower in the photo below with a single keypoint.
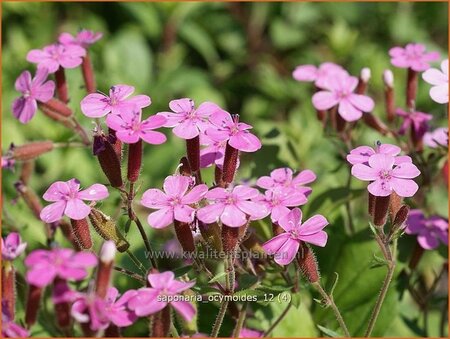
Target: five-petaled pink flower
[
  {"x": 213, "y": 153},
  {"x": 439, "y": 80},
  {"x": 338, "y": 91},
  {"x": 174, "y": 203},
  {"x": 318, "y": 75},
  {"x": 44, "y": 266},
  {"x": 436, "y": 138},
  {"x": 187, "y": 121},
  {"x": 57, "y": 55},
  {"x": 130, "y": 127},
  {"x": 225, "y": 127},
  {"x": 284, "y": 178},
  {"x": 412, "y": 56},
  {"x": 415, "y": 120},
  {"x": 68, "y": 199},
  {"x": 361, "y": 154},
  {"x": 249, "y": 333},
  {"x": 147, "y": 300},
  {"x": 232, "y": 208},
  {"x": 386, "y": 178},
  {"x": 97, "y": 105},
  {"x": 430, "y": 231},
  {"x": 12, "y": 246},
  {"x": 285, "y": 246},
  {"x": 100, "y": 313},
  {"x": 33, "y": 90},
  {"x": 84, "y": 38},
  {"x": 277, "y": 201}
]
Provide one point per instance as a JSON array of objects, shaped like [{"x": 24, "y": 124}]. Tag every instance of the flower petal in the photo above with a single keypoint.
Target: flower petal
[
  {"x": 76, "y": 209},
  {"x": 406, "y": 170},
  {"x": 319, "y": 239},
  {"x": 210, "y": 213},
  {"x": 95, "y": 105},
  {"x": 292, "y": 220},
  {"x": 245, "y": 142},
  {"x": 161, "y": 218},
  {"x": 176, "y": 185},
  {"x": 324, "y": 100},
  {"x": 185, "y": 309},
  {"x": 94, "y": 193},
  {"x": 287, "y": 252},
  {"x": 348, "y": 112},
  {"x": 233, "y": 216},
  {"x": 313, "y": 225},
  {"x": 53, "y": 212},
  {"x": 195, "y": 194},
  {"x": 273, "y": 245},
  {"x": 154, "y": 198},
  {"x": 184, "y": 213},
  {"x": 404, "y": 187},
  {"x": 364, "y": 172}
]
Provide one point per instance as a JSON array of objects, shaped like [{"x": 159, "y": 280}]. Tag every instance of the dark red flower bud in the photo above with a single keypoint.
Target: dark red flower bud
[
  {"x": 82, "y": 233},
  {"x": 57, "y": 110},
  {"x": 229, "y": 165},
  {"x": 134, "y": 160},
  {"x": 184, "y": 236},
  {"x": 108, "y": 159},
  {"x": 61, "y": 85},
  {"x": 115, "y": 142},
  {"x": 88, "y": 74},
  {"x": 230, "y": 236},
  {"x": 400, "y": 217},
  {"x": 31, "y": 150},
  {"x": 66, "y": 229},
  {"x": 381, "y": 210},
  {"x": 308, "y": 263},
  {"x": 33, "y": 303}
]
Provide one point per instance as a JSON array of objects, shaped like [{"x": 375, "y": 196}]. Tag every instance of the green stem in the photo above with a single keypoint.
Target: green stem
[
  {"x": 330, "y": 302},
  {"x": 136, "y": 262},
  {"x": 219, "y": 319},
  {"x": 240, "y": 321},
  {"x": 130, "y": 274},
  {"x": 276, "y": 322}
]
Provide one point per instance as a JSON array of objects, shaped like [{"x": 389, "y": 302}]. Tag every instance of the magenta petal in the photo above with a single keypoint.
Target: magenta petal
[
  {"x": 324, "y": 100},
  {"x": 154, "y": 121},
  {"x": 313, "y": 225},
  {"x": 304, "y": 177},
  {"x": 184, "y": 213},
  {"x": 127, "y": 136},
  {"x": 404, "y": 187},
  {"x": 305, "y": 73},
  {"x": 172, "y": 119},
  {"x": 362, "y": 102},
  {"x": 381, "y": 161},
  {"x": 363, "y": 172},
  {"x": 186, "y": 130},
  {"x": 41, "y": 276},
  {"x": 210, "y": 213},
  {"x": 140, "y": 101},
  {"x": 389, "y": 149},
  {"x": 24, "y": 109},
  {"x": 427, "y": 241},
  {"x": 153, "y": 138},
  {"x": 195, "y": 194},
  {"x": 53, "y": 212},
  {"x": 245, "y": 142},
  {"x": 287, "y": 252},
  {"x": 120, "y": 92},
  {"x": 45, "y": 92},
  {"x": 154, "y": 198},
  {"x": 161, "y": 218},
  {"x": 265, "y": 182},
  {"x": 245, "y": 192},
  {"x": 273, "y": 245},
  {"x": 76, "y": 209},
  {"x": 233, "y": 216},
  {"x": 217, "y": 193},
  {"x": 347, "y": 111},
  {"x": 161, "y": 280},
  {"x": 185, "y": 309},
  {"x": 23, "y": 82},
  {"x": 406, "y": 170},
  {"x": 56, "y": 191},
  {"x": 380, "y": 188},
  {"x": 94, "y": 193},
  {"x": 253, "y": 209},
  {"x": 183, "y": 105},
  {"x": 72, "y": 273},
  {"x": 176, "y": 185},
  {"x": 84, "y": 259},
  {"x": 95, "y": 105},
  {"x": 150, "y": 307},
  {"x": 318, "y": 239},
  {"x": 292, "y": 220}
]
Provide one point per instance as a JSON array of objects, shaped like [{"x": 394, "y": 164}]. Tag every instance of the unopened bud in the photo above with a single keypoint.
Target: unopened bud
[
  {"x": 381, "y": 210},
  {"x": 395, "y": 203},
  {"x": 108, "y": 159},
  {"x": 388, "y": 78},
  {"x": 107, "y": 255},
  {"x": 363, "y": 81},
  {"x": 308, "y": 263},
  {"x": 107, "y": 229},
  {"x": 108, "y": 252},
  {"x": 371, "y": 205},
  {"x": 115, "y": 142},
  {"x": 57, "y": 109},
  {"x": 31, "y": 150},
  {"x": 61, "y": 85},
  {"x": 184, "y": 235},
  {"x": 230, "y": 236},
  {"x": 67, "y": 231},
  {"x": 82, "y": 233},
  {"x": 411, "y": 89},
  {"x": 365, "y": 74},
  {"x": 400, "y": 217},
  {"x": 134, "y": 160}
]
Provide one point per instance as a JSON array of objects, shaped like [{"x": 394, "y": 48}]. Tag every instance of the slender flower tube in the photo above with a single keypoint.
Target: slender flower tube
[
  {"x": 389, "y": 97},
  {"x": 104, "y": 271}
]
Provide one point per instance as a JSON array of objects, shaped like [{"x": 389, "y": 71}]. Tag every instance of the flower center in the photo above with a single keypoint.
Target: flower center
[
  {"x": 175, "y": 201},
  {"x": 385, "y": 174},
  {"x": 230, "y": 200}
]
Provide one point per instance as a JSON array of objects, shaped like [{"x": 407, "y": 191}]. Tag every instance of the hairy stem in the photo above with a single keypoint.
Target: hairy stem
[
  {"x": 130, "y": 274},
  {"x": 219, "y": 319}
]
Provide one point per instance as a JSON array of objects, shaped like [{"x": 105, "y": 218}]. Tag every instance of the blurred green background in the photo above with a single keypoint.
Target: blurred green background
[{"x": 240, "y": 56}]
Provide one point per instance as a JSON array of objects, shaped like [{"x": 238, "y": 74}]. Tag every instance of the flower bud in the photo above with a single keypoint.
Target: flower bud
[
  {"x": 62, "y": 308},
  {"x": 365, "y": 74},
  {"x": 134, "y": 160},
  {"x": 395, "y": 203},
  {"x": 26, "y": 171},
  {"x": 230, "y": 236},
  {"x": 160, "y": 323},
  {"x": 400, "y": 218},
  {"x": 33, "y": 303},
  {"x": 56, "y": 109},
  {"x": 88, "y": 74},
  {"x": 108, "y": 159},
  {"x": 107, "y": 229},
  {"x": 184, "y": 235},
  {"x": 115, "y": 142},
  {"x": 229, "y": 164},
  {"x": 31, "y": 150},
  {"x": 381, "y": 210},
  {"x": 82, "y": 233},
  {"x": 371, "y": 205},
  {"x": 388, "y": 78},
  {"x": 308, "y": 264},
  {"x": 363, "y": 81},
  {"x": 107, "y": 255}
]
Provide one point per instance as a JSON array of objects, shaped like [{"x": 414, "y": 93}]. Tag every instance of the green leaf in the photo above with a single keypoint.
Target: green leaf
[
  {"x": 296, "y": 299},
  {"x": 198, "y": 38},
  {"x": 328, "y": 332},
  {"x": 217, "y": 277}
]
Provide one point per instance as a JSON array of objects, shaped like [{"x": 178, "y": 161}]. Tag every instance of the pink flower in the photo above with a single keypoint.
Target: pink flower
[
  {"x": 9, "y": 328},
  {"x": 62, "y": 293},
  {"x": 278, "y": 200},
  {"x": 412, "y": 56},
  {"x": 436, "y": 138},
  {"x": 154, "y": 298},
  {"x": 97, "y": 105},
  {"x": 224, "y": 127},
  {"x": 174, "y": 203},
  {"x": 361, "y": 154},
  {"x": 213, "y": 153},
  {"x": 8, "y": 163},
  {"x": 33, "y": 90},
  {"x": 386, "y": 178},
  {"x": 129, "y": 127},
  {"x": 415, "y": 120},
  {"x": 285, "y": 246},
  {"x": 318, "y": 75},
  {"x": 232, "y": 208},
  {"x": 249, "y": 333},
  {"x": 57, "y": 55},
  {"x": 430, "y": 231},
  {"x": 84, "y": 38},
  {"x": 187, "y": 121},
  {"x": 103, "y": 312},
  {"x": 44, "y": 266},
  {"x": 439, "y": 80},
  {"x": 284, "y": 178},
  {"x": 12, "y": 246},
  {"x": 338, "y": 90},
  {"x": 68, "y": 199}
]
